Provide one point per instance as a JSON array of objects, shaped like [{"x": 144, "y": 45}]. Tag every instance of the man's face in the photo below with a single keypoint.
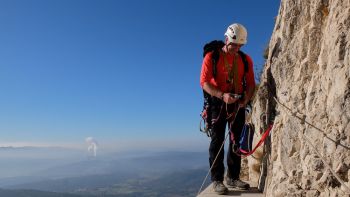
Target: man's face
[{"x": 233, "y": 47}]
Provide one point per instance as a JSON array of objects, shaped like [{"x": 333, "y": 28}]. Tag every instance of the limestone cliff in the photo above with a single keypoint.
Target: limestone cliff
[{"x": 308, "y": 70}]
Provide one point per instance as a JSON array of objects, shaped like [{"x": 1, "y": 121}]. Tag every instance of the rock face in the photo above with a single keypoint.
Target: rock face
[{"x": 308, "y": 70}]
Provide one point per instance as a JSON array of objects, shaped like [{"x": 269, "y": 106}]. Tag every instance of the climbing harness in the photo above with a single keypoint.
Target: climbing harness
[{"x": 205, "y": 124}]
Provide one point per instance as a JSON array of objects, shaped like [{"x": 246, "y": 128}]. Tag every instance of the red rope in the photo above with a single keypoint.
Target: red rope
[{"x": 263, "y": 137}]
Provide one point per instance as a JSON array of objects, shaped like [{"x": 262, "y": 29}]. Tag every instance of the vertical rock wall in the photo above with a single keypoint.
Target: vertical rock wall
[{"x": 308, "y": 69}]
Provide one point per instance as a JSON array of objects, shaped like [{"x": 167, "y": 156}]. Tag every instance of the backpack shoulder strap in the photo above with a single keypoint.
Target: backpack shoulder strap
[
  {"x": 245, "y": 61},
  {"x": 246, "y": 67},
  {"x": 215, "y": 59}
]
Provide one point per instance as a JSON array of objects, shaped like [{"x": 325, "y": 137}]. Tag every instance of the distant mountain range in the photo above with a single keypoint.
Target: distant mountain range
[
  {"x": 144, "y": 175},
  {"x": 39, "y": 149},
  {"x": 28, "y": 161},
  {"x": 33, "y": 193}
]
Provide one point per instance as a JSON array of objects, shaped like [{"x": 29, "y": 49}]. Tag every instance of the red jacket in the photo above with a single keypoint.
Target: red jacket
[{"x": 221, "y": 81}]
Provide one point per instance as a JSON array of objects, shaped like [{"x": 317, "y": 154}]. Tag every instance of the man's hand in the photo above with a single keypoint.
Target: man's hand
[{"x": 227, "y": 98}]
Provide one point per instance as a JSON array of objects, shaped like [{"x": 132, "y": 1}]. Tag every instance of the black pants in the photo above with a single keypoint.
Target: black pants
[{"x": 218, "y": 137}]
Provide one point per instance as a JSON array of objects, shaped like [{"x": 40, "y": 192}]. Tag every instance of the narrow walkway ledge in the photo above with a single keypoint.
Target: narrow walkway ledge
[{"x": 252, "y": 192}]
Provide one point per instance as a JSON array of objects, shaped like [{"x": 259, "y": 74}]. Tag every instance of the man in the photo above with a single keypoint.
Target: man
[{"x": 226, "y": 108}]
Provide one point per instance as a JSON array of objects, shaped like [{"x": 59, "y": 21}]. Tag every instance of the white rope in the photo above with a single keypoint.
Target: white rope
[
  {"x": 303, "y": 121},
  {"x": 217, "y": 155},
  {"x": 205, "y": 179},
  {"x": 314, "y": 148}
]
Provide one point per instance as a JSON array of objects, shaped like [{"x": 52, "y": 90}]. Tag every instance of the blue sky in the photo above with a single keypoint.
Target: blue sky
[{"x": 124, "y": 72}]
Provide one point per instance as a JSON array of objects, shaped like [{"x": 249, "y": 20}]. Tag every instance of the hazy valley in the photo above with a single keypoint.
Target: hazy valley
[{"x": 73, "y": 173}]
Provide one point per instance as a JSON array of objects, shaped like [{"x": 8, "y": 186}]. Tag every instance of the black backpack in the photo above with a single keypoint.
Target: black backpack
[{"x": 215, "y": 47}]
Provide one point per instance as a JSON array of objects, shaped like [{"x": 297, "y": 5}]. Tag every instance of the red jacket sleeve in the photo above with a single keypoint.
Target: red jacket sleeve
[
  {"x": 250, "y": 74},
  {"x": 207, "y": 69}
]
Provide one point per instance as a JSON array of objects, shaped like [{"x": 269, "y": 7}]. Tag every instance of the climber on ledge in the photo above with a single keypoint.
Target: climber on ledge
[{"x": 228, "y": 83}]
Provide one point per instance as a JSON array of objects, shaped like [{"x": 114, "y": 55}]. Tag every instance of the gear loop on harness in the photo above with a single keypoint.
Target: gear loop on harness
[{"x": 208, "y": 120}]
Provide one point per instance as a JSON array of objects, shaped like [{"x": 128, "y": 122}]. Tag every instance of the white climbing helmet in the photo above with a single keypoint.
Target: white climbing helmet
[{"x": 236, "y": 33}]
